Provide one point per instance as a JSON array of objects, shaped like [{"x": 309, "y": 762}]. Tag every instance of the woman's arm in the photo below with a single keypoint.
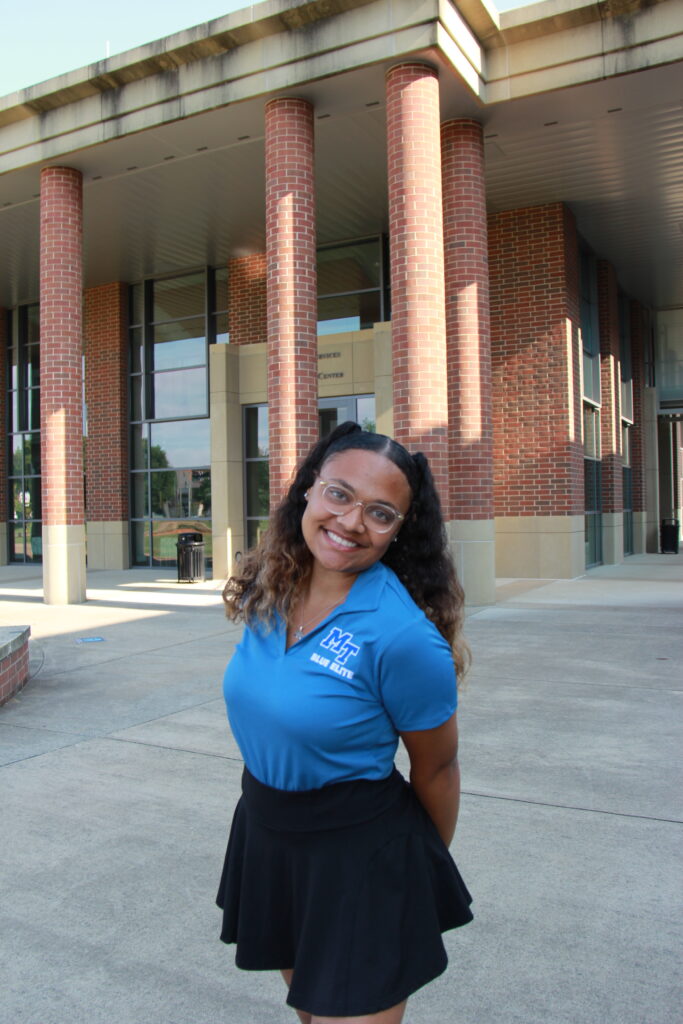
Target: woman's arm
[{"x": 435, "y": 773}]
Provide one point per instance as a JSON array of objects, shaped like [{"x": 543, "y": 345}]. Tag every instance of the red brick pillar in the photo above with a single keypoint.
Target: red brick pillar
[
  {"x": 538, "y": 463},
  {"x": 610, "y": 416},
  {"x": 106, "y": 379},
  {"x": 418, "y": 320},
  {"x": 291, "y": 288},
  {"x": 469, "y": 353},
  {"x": 61, "y": 397},
  {"x": 247, "y": 299},
  {"x": 3, "y": 444},
  {"x": 639, "y": 326}
]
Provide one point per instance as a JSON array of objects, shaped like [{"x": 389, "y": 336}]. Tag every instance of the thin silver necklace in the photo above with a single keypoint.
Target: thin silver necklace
[{"x": 300, "y": 630}]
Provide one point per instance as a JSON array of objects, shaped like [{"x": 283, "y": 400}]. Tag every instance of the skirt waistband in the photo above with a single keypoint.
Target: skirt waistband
[{"x": 313, "y": 810}]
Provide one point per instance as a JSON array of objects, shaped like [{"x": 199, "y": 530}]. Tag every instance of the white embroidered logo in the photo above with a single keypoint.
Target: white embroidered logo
[{"x": 339, "y": 643}]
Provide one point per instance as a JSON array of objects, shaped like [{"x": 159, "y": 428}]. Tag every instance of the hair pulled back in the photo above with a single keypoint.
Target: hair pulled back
[{"x": 272, "y": 575}]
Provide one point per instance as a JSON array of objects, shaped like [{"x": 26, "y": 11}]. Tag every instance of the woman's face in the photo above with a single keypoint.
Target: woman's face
[{"x": 343, "y": 543}]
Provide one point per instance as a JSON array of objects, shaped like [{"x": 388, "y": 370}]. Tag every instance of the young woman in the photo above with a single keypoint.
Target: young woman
[{"x": 337, "y": 871}]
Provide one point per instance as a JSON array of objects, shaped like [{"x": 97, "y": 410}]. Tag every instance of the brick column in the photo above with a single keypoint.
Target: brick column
[
  {"x": 61, "y": 349},
  {"x": 468, "y": 344},
  {"x": 538, "y": 461},
  {"x": 610, "y": 416},
  {"x": 418, "y": 322},
  {"x": 3, "y": 443},
  {"x": 247, "y": 299},
  {"x": 291, "y": 288},
  {"x": 641, "y": 443},
  {"x": 106, "y": 396}
]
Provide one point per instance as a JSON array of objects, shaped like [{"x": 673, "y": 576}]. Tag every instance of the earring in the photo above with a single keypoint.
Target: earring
[
  {"x": 306, "y": 493},
  {"x": 395, "y": 540}
]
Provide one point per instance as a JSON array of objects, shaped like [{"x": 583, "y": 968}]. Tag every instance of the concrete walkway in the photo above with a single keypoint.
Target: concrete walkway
[{"x": 119, "y": 776}]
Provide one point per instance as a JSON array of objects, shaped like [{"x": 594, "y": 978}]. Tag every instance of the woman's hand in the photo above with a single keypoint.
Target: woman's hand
[{"x": 435, "y": 773}]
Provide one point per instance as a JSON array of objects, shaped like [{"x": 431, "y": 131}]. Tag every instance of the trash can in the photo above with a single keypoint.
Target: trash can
[
  {"x": 669, "y": 537},
  {"x": 190, "y": 548}
]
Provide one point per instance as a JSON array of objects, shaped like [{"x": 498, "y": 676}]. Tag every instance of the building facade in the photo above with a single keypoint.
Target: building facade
[{"x": 457, "y": 227}]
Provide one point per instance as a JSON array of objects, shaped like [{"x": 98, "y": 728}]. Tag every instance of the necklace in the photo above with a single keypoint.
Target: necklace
[{"x": 300, "y": 630}]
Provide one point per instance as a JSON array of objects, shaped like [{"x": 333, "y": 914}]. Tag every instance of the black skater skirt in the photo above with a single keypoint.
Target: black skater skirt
[{"x": 350, "y": 886}]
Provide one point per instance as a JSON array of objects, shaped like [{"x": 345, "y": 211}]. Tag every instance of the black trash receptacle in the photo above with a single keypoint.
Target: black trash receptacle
[
  {"x": 669, "y": 537},
  {"x": 190, "y": 548}
]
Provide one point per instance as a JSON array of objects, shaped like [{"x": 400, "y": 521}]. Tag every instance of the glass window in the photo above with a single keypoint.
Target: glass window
[
  {"x": 591, "y": 432},
  {"x": 258, "y": 483},
  {"x": 24, "y": 497},
  {"x": 135, "y": 308},
  {"x": 256, "y": 431},
  {"x": 139, "y": 493},
  {"x": 220, "y": 326},
  {"x": 177, "y": 345},
  {"x": 180, "y": 444},
  {"x": 174, "y": 320},
  {"x": 220, "y": 277},
  {"x": 349, "y": 268},
  {"x": 177, "y": 393},
  {"x": 590, "y": 327},
  {"x": 136, "y": 350},
  {"x": 179, "y": 297},
  {"x": 180, "y": 493},
  {"x": 138, "y": 447},
  {"x": 165, "y": 539},
  {"x": 136, "y": 385},
  {"x": 625, "y": 358},
  {"x": 340, "y": 313},
  {"x": 350, "y": 286},
  {"x": 142, "y": 547}
]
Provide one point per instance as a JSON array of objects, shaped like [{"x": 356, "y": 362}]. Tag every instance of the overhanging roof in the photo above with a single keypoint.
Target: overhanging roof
[{"x": 580, "y": 102}]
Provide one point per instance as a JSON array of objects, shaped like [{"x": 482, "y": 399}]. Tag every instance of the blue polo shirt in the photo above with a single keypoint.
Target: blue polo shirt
[{"x": 330, "y": 708}]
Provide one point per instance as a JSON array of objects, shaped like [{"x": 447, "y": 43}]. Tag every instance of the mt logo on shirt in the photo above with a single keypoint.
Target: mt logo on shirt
[{"x": 340, "y": 644}]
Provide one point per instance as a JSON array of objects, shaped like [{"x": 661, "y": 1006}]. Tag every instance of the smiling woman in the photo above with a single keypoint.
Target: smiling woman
[{"x": 337, "y": 871}]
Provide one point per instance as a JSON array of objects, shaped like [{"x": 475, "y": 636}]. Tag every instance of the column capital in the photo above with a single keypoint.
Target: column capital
[{"x": 421, "y": 66}]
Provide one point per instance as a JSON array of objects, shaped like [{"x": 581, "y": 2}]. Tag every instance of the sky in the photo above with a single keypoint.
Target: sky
[{"x": 43, "y": 39}]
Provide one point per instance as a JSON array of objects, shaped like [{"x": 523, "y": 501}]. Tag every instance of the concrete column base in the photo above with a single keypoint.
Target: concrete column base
[
  {"x": 227, "y": 484},
  {"x": 473, "y": 543},
  {"x": 4, "y": 554},
  {"x": 63, "y": 564},
  {"x": 540, "y": 547},
  {"x": 108, "y": 545},
  {"x": 612, "y": 538},
  {"x": 639, "y": 533}
]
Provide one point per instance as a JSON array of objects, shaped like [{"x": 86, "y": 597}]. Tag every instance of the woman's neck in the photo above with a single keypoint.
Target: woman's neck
[{"x": 327, "y": 586}]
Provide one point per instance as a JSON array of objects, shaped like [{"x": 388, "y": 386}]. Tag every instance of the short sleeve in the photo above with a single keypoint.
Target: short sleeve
[{"x": 417, "y": 678}]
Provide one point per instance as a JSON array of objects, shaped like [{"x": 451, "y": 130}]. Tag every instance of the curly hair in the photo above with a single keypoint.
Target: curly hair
[{"x": 272, "y": 575}]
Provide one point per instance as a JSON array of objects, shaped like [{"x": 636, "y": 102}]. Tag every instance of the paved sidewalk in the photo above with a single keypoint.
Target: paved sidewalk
[{"x": 118, "y": 777}]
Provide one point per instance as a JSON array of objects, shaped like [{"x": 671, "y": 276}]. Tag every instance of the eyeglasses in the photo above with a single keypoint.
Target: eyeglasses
[{"x": 339, "y": 502}]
